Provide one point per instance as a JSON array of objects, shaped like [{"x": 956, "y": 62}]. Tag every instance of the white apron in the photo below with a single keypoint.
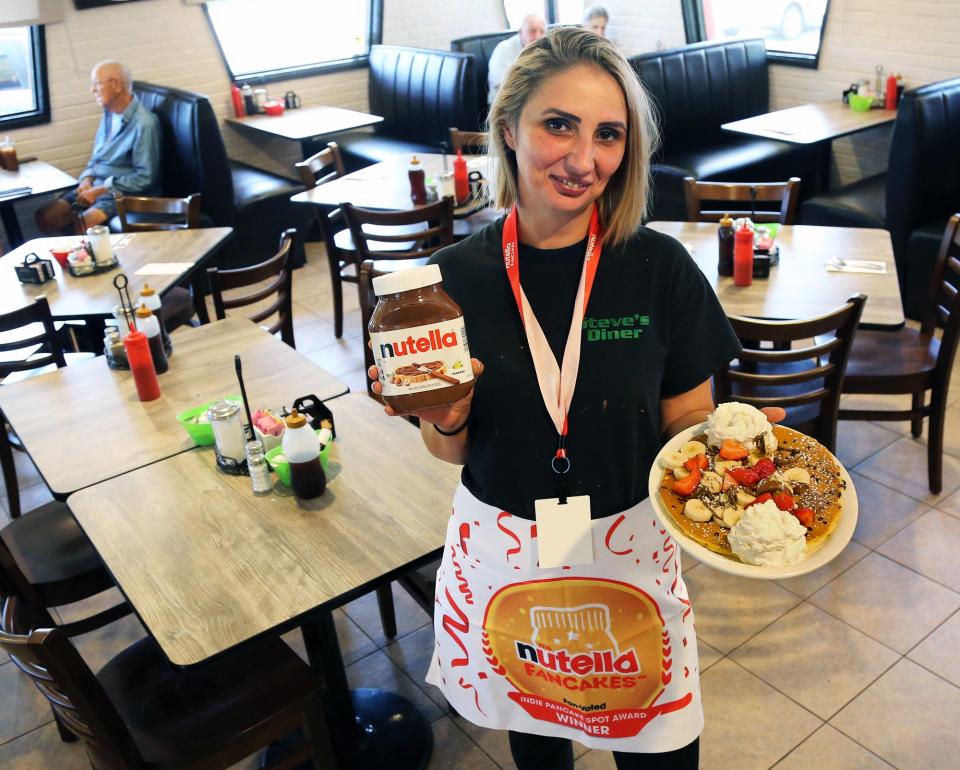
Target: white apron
[{"x": 605, "y": 653}]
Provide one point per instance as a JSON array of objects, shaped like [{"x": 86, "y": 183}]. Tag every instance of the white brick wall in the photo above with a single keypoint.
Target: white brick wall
[{"x": 167, "y": 42}]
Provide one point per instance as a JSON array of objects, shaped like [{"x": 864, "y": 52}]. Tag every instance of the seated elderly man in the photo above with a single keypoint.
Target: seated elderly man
[
  {"x": 125, "y": 159},
  {"x": 596, "y": 18},
  {"x": 533, "y": 27}
]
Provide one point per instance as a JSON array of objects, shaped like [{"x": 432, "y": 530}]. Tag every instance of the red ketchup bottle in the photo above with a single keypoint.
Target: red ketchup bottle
[
  {"x": 237, "y": 97},
  {"x": 418, "y": 181},
  {"x": 461, "y": 180},
  {"x": 141, "y": 366},
  {"x": 743, "y": 256},
  {"x": 890, "y": 99}
]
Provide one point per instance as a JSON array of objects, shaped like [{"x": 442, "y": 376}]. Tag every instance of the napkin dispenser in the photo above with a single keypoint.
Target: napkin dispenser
[
  {"x": 35, "y": 270},
  {"x": 318, "y": 412}
]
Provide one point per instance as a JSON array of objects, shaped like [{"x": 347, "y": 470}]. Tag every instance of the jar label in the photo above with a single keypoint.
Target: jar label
[{"x": 422, "y": 358}]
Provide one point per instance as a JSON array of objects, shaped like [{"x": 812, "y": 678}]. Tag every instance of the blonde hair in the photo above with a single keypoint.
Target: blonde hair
[{"x": 623, "y": 204}]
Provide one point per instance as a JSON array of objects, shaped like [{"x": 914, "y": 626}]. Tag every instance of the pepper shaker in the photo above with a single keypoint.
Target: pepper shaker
[{"x": 258, "y": 468}]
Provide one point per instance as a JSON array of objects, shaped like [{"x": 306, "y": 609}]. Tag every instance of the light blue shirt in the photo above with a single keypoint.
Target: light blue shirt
[{"x": 127, "y": 159}]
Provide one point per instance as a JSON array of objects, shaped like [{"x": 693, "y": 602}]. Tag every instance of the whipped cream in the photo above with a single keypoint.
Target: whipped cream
[
  {"x": 742, "y": 423},
  {"x": 768, "y": 537}
]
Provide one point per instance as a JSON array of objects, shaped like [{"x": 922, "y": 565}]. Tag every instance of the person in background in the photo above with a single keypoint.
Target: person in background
[
  {"x": 533, "y": 27},
  {"x": 596, "y": 18},
  {"x": 125, "y": 158}
]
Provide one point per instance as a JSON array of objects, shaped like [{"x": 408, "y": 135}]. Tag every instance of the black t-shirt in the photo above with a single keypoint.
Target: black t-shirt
[{"x": 653, "y": 328}]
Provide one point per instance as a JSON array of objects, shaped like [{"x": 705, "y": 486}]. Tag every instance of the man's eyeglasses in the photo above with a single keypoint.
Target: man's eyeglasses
[{"x": 99, "y": 83}]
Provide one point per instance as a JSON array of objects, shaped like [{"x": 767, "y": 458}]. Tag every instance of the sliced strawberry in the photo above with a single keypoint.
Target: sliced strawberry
[
  {"x": 746, "y": 476},
  {"x": 688, "y": 483},
  {"x": 697, "y": 461},
  {"x": 762, "y": 499},
  {"x": 733, "y": 450},
  {"x": 806, "y": 516},
  {"x": 784, "y": 501},
  {"x": 729, "y": 482},
  {"x": 765, "y": 467}
]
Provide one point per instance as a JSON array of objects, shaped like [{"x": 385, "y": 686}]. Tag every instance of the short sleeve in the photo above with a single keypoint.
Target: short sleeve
[{"x": 701, "y": 339}]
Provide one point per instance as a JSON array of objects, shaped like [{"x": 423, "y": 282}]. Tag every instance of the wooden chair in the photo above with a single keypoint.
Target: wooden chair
[
  {"x": 139, "y": 712},
  {"x": 914, "y": 361},
  {"x": 150, "y": 214},
  {"x": 806, "y": 381},
  {"x": 318, "y": 169},
  {"x": 470, "y": 142},
  {"x": 740, "y": 193},
  {"x": 158, "y": 213},
  {"x": 433, "y": 226},
  {"x": 278, "y": 272}
]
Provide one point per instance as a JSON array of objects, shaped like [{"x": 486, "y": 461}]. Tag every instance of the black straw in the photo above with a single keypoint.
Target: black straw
[{"x": 243, "y": 392}]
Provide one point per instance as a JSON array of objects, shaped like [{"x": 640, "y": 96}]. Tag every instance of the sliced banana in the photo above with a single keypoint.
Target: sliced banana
[
  {"x": 712, "y": 481},
  {"x": 731, "y": 516},
  {"x": 722, "y": 466},
  {"x": 754, "y": 457},
  {"x": 770, "y": 443},
  {"x": 673, "y": 460},
  {"x": 680, "y": 473},
  {"x": 696, "y": 510},
  {"x": 744, "y": 498},
  {"x": 797, "y": 474},
  {"x": 692, "y": 449}
]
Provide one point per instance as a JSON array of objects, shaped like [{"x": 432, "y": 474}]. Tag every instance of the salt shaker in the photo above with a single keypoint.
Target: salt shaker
[{"x": 258, "y": 468}]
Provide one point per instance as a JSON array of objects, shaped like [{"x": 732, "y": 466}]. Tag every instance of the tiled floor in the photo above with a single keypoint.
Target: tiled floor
[{"x": 852, "y": 667}]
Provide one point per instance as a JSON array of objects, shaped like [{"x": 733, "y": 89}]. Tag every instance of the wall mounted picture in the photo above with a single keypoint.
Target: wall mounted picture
[{"x": 82, "y": 5}]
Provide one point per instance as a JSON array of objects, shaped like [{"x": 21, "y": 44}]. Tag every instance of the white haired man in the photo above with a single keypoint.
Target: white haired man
[
  {"x": 533, "y": 27},
  {"x": 125, "y": 158}
]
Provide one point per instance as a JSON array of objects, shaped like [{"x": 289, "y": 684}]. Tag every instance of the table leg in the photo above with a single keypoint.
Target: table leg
[
  {"x": 368, "y": 728},
  {"x": 11, "y": 224},
  {"x": 198, "y": 286}
]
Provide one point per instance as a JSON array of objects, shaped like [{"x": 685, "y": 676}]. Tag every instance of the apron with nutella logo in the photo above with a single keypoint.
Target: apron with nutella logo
[{"x": 604, "y": 653}]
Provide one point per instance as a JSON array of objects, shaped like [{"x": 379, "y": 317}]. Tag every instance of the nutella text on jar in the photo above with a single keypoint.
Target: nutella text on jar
[{"x": 419, "y": 341}]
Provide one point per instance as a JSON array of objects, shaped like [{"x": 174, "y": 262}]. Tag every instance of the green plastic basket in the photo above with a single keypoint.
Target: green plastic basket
[
  {"x": 201, "y": 432},
  {"x": 282, "y": 468}
]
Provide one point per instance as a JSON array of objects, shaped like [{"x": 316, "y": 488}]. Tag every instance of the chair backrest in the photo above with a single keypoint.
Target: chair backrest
[
  {"x": 420, "y": 92},
  {"x": 437, "y": 232},
  {"x": 277, "y": 272},
  {"x": 471, "y": 142},
  {"x": 699, "y": 87},
  {"x": 481, "y": 48},
  {"x": 49, "y": 658},
  {"x": 158, "y": 213},
  {"x": 811, "y": 375},
  {"x": 944, "y": 307},
  {"x": 321, "y": 167},
  {"x": 25, "y": 329},
  {"x": 709, "y": 201},
  {"x": 923, "y": 175},
  {"x": 193, "y": 157}
]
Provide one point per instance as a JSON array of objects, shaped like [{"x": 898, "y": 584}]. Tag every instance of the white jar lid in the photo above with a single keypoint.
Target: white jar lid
[{"x": 406, "y": 280}]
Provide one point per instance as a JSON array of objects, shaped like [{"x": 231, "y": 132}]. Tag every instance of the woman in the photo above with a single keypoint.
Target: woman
[{"x": 600, "y": 647}]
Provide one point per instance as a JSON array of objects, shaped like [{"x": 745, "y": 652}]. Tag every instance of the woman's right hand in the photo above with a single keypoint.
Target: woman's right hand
[{"x": 447, "y": 417}]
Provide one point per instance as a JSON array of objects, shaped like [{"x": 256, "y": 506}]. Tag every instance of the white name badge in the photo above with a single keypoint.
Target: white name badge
[{"x": 564, "y": 536}]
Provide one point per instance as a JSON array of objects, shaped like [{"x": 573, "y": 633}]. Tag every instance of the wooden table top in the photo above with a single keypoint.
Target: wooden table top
[
  {"x": 207, "y": 565},
  {"x": 307, "y": 122},
  {"x": 40, "y": 177},
  {"x": 141, "y": 255},
  {"x": 383, "y": 185},
  {"x": 800, "y": 286},
  {"x": 84, "y": 423},
  {"x": 811, "y": 123}
]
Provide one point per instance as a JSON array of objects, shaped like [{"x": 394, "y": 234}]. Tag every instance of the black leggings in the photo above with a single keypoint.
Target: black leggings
[{"x": 537, "y": 752}]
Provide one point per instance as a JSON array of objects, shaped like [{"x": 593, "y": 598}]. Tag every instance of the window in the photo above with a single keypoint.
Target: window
[
  {"x": 24, "y": 98},
  {"x": 268, "y": 40},
  {"x": 517, "y": 9},
  {"x": 792, "y": 29}
]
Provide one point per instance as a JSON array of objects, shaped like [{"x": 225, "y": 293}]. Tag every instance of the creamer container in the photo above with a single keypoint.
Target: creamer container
[
  {"x": 419, "y": 341},
  {"x": 302, "y": 450}
]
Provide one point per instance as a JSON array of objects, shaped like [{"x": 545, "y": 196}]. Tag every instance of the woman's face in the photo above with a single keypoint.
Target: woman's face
[{"x": 569, "y": 141}]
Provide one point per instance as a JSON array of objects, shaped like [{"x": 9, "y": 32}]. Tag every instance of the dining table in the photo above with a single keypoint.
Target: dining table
[
  {"x": 83, "y": 423},
  {"x": 819, "y": 268},
  {"x": 162, "y": 259},
  {"x": 817, "y": 123},
  {"x": 208, "y": 566},
  {"x": 31, "y": 180},
  {"x": 305, "y": 125}
]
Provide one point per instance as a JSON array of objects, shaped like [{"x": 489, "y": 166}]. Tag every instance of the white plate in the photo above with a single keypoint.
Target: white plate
[{"x": 832, "y": 548}]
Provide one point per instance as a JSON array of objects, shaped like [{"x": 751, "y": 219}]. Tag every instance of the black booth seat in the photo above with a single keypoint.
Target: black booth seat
[
  {"x": 481, "y": 48},
  {"x": 420, "y": 93},
  {"x": 860, "y": 204}
]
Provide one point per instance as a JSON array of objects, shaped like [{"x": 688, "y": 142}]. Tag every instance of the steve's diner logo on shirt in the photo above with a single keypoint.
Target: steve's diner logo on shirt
[{"x": 627, "y": 327}]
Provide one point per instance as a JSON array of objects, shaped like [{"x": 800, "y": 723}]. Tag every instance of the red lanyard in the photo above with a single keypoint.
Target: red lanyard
[{"x": 557, "y": 382}]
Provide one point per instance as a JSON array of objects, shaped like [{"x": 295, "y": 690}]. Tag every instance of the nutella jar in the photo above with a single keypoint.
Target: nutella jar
[{"x": 419, "y": 341}]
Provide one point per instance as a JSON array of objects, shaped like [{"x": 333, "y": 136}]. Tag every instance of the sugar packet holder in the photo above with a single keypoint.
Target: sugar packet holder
[{"x": 35, "y": 270}]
